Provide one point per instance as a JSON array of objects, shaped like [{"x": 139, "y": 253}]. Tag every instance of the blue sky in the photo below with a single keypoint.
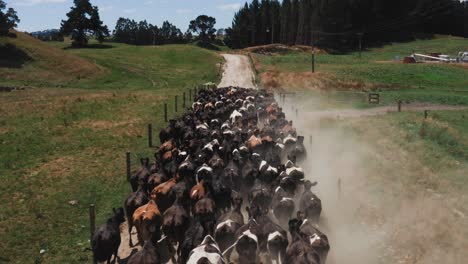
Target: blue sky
[{"x": 45, "y": 14}]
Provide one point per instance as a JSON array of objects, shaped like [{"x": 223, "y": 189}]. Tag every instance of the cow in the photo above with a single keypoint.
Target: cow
[
  {"x": 106, "y": 239},
  {"x": 148, "y": 254},
  {"x": 147, "y": 220},
  {"x": 205, "y": 212},
  {"x": 228, "y": 223},
  {"x": 310, "y": 204},
  {"x": 141, "y": 175},
  {"x": 132, "y": 203},
  {"x": 207, "y": 252},
  {"x": 176, "y": 221}
]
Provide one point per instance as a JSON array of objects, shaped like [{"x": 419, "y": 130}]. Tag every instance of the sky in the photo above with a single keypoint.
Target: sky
[{"x": 38, "y": 15}]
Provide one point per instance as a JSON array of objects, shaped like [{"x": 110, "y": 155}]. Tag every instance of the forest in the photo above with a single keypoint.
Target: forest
[{"x": 339, "y": 24}]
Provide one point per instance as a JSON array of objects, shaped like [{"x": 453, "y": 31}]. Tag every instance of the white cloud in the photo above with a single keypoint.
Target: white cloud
[
  {"x": 36, "y": 2},
  {"x": 150, "y": 2},
  {"x": 229, "y": 7}
]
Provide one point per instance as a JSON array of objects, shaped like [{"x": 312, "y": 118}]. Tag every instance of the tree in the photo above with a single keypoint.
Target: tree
[
  {"x": 8, "y": 19},
  {"x": 83, "y": 19},
  {"x": 204, "y": 26}
]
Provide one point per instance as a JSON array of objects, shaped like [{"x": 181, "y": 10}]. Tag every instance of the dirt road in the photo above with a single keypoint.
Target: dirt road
[{"x": 237, "y": 71}]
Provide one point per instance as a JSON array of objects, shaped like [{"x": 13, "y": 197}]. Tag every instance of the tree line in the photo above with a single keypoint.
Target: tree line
[
  {"x": 341, "y": 23},
  {"x": 143, "y": 33}
]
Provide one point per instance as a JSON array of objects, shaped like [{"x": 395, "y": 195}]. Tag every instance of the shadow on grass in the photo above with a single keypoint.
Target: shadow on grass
[
  {"x": 91, "y": 46},
  {"x": 207, "y": 45},
  {"x": 12, "y": 57}
]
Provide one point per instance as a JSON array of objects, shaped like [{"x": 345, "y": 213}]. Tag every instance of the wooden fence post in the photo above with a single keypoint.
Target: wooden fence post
[
  {"x": 175, "y": 105},
  {"x": 399, "y": 105},
  {"x": 165, "y": 112},
  {"x": 129, "y": 164},
  {"x": 150, "y": 135},
  {"x": 92, "y": 225},
  {"x": 190, "y": 95},
  {"x": 426, "y": 114},
  {"x": 92, "y": 220},
  {"x": 339, "y": 188},
  {"x": 183, "y": 101}
]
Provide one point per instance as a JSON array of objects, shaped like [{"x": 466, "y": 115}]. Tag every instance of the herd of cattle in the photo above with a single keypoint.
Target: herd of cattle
[{"x": 234, "y": 148}]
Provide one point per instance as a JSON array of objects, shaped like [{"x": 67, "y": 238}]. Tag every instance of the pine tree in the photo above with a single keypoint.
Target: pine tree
[
  {"x": 338, "y": 23},
  {"x": 294, "y": 21},
  {"x": 8, "y": 19},
  {"x": 83, "y": 18},
  {"x": 285, "y": 22}
]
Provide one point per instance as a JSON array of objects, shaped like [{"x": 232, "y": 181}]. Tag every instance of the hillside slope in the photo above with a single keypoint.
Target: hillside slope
[{"x": 36, "y": 62}]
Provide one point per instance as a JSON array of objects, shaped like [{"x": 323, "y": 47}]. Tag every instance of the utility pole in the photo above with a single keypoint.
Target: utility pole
[
  {"x": 154, "y": 37},
  {"x": 360, "y": 43},
  {"x": 272, "y": 33},
  {"x": 313, "y": 59}
]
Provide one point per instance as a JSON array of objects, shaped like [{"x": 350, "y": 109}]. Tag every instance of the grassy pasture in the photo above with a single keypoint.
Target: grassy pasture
[
  {"x": 377, "y": 70},
  {"x": 64, "y": 138}
]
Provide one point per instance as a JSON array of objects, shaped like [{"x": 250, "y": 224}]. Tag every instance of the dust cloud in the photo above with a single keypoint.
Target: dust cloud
[{"x": 371, "y": 213}]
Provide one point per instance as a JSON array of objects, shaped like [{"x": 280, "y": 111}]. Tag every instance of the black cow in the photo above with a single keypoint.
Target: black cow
[{"x": 106, "y": 239}]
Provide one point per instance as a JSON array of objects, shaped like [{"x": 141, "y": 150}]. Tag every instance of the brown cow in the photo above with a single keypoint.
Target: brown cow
[
  {"x": 147, "y": 220},
  {"x": 161, "y": 194},
  {"x": 254, "y": 142},
  {"x": 198, "y": 192}
]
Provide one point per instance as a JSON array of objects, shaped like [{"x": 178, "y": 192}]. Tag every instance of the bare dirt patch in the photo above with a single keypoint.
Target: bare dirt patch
[
  {"x": 56, "y": 168},
  {"x": 307, "y": 80},
  {"x": 273, "y": 49},
  {"x": 97, "y": 125},
  {"x": 383, "y": 110}
]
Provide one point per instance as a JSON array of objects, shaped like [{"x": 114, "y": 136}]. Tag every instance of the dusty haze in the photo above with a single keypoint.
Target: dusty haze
[{"x": 385, "y": 212}]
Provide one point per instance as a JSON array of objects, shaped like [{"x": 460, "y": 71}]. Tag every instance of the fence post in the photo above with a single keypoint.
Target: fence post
[
  {"x": 92, "y": 220},
  {"x": 165, "y": 112},
  {"x": 190, "y": 95},
  {"x": 313, "y": 60},
  {"x": 129, "y": 164},
  {"x": 399, "y": 105},
  {"x": 426, "y": 113},
  {"x": 92, "y": 225},
  {"x": 175, "y": 105},
  {"x": 339, "y": 188},
  {"x": 183, "y": 101},
  {"x": 150, "y": 135}
]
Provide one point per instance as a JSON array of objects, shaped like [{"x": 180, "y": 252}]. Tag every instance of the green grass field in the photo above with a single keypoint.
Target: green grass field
[
  {"x": 64, "y": 138},
  {"x": 377, "y": 70}
]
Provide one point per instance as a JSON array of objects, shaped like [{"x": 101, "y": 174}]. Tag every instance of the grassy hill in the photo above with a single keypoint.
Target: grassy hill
[
  {"x": 37, "y": 63},
  {"x": 375, "y": 70},
  {"x": 110, "y": 66},
  {"x": 64, "y": 138}
]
